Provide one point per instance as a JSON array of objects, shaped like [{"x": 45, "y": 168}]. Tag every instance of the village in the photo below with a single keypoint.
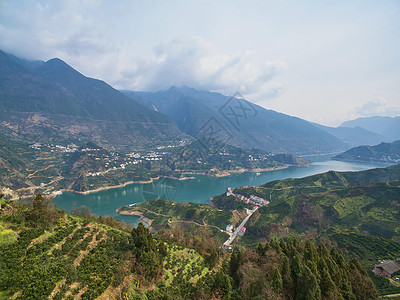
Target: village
[{"x": 241, "y": 229}]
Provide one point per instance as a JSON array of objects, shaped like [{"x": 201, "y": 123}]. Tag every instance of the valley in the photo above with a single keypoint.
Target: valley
[{"x": 164, "y": 158}]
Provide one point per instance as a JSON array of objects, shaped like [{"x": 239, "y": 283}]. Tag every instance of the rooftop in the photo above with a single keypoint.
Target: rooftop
[{"x": 390, "y": 266}]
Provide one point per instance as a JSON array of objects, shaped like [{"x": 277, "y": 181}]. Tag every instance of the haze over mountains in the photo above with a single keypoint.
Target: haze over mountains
[
  {"x": 261, "y": 128},
  {"x": 257, "y": 127},
  {"x": 386, "y": 126},
  {"x": 50, "y": 101}
]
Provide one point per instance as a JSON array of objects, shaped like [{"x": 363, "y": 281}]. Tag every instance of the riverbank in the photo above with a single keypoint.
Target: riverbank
[
  {"x": 137, "y": 213},
  {"x": 218, "y": 174},
  {"x": 257, "y": 170}
]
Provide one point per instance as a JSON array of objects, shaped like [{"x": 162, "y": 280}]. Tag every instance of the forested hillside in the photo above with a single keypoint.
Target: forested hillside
[
  {"x": 48, "y": 254},
  {"x": 383, "y": 152}
]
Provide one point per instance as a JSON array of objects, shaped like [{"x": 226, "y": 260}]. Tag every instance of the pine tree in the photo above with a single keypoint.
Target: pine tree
[
  {"x": 260, "y": 249},
  {"x": 362, "y": 286},
  {"x": 234, "y": 265},
  {"x": 277, "y": 282},
  {"x": 296, "y": 268},
  {"x": 307, "y": 287}
]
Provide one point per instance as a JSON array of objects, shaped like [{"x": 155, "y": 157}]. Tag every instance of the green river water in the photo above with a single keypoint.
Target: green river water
[{"x": 198, "y": 190}]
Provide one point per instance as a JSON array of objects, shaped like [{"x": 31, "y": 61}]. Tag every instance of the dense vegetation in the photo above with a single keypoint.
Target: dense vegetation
[
  {"x": 163, "y": 212},
  {"x": 357, "y": 211},
  {"x": 59, "y": 256},
  {"x": 384, "y": 152}
]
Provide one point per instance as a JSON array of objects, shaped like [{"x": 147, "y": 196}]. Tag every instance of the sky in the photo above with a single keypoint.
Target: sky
[{"x": 323, "y": 61}]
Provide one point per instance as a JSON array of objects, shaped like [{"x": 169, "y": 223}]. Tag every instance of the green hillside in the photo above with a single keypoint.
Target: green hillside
[
  {"x": 50, "y": 102},
  {"x": 357, "y": 211},
  {"x": 384, "y": 152},
  {"x": 48, "y": 254}
]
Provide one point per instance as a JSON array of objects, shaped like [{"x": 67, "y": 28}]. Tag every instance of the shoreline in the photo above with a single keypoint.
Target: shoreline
[
  {"x": 221, "y": 174},
  {"x": 104, "y": 188},
  {"x": 187, "y": 177},
  {"x": 378, "y": 162},
  {"x": 143, "y": 219}
]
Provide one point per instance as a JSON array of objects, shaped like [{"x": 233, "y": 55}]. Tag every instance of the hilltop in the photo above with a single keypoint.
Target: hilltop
[{"x": 384, "y": 153}]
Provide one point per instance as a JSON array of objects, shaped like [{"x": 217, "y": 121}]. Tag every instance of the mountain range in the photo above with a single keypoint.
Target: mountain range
[
  {"x": 52, "y": 107},
  {"x": 247, "y": 124},
  {"x": 52, "y": 102},
  {"x": 388, "y": 127}
]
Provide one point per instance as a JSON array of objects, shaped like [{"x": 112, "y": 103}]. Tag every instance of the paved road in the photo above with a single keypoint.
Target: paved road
[{"x": 233, "y": 236}]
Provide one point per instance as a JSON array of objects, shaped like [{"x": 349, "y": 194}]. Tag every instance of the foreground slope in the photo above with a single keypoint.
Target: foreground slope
[
  {"x": 359, "y": 212},
  {"x": 47, "y": 254}
]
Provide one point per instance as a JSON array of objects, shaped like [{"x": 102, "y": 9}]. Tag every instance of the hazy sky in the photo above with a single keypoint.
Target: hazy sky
[{"x": 324, "y": 61}]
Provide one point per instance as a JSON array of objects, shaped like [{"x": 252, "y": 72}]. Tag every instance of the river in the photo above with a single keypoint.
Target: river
[{"x": 198, "y": 190}]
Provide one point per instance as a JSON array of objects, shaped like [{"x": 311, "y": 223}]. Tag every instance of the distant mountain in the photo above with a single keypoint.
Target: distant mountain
[
  {"x": 50, "y": 101},
  {"x": 356, "y": 136},
  {"x": 386, "y": 126},
  {"x": 246, "y": 124},
  {"x": 384, "y": 152}
]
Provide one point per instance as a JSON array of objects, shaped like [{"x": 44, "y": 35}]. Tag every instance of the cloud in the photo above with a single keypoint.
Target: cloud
[
  {"x": 379, "y": 106},
  {"x": 198, "y": 63},
  {"x": 75, "y": 31}
]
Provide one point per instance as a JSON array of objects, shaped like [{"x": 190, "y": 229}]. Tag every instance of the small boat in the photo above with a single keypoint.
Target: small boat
[
  {"x": 258, "y": 173},
  {"x": 131, "y": 204}
]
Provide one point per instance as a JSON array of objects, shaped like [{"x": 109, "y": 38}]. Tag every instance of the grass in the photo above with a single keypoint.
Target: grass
[
  {"x": 7, "y": 236},
  {"x": 4, "y": 295},
  {"x": 186, "y": 262},
  {"x": 381, "y": 214},
  {"x": 346, "y": 206}
]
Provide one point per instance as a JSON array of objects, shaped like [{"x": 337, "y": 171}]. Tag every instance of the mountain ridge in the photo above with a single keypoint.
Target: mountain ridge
[
  {"x": 250, "y": 125},
  {"x": 385, "y": 126},
  {"x": 52, "y": 101}
]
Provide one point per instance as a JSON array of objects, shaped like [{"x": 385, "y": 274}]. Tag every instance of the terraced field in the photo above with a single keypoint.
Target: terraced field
[{"x": 75, "y": 260}]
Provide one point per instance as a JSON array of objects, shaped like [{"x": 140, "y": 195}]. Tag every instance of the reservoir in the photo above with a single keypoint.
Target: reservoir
[{"x": 198, "y": 190}]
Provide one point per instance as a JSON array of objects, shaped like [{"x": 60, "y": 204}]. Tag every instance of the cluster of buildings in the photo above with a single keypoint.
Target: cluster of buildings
[
  {"x": 248, "y": 199},
  {"x": 58, "y": 148},
  {"x": 180, "y": 143}
]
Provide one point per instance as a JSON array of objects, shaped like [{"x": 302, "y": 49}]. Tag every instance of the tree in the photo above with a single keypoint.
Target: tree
[
  {"x": 234, "y": 265},
  {"x": 222, "y": 285},
  {"x": 362, "y": 286},
  {"x": 277, "y": 282},
  {"x": 260, "y": 249},
  {"x": 307, "y": 287},
  {"x": 296, "y": 267},
  {"x": 328, "y": 287}
]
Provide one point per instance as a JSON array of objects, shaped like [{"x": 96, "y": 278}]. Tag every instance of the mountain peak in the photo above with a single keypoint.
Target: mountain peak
[{"x": 55, "y": 67}]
